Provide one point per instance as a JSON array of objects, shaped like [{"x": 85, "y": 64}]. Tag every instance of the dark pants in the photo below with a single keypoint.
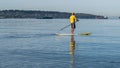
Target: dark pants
[{"x": 73, "y": 26}]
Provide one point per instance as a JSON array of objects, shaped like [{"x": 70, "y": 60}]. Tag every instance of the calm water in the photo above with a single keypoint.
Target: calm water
[{"x": 32, "y": 43}]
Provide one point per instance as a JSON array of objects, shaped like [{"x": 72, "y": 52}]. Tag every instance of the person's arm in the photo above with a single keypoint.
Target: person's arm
[{"x": 76, "y": 19}]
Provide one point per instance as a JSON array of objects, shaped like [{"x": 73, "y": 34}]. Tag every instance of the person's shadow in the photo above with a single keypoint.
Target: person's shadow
[{"x": 72, "y": 50}]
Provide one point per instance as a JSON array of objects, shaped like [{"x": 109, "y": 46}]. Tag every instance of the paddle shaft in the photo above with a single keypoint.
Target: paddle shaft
[{"x": 64, "y": 27}]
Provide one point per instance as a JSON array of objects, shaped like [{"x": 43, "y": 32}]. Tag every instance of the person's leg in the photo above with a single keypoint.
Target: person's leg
[{"x": 72, "y": 28}]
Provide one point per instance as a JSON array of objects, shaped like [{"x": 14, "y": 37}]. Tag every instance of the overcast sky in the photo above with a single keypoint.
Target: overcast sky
[{"x": 99, "y": 7}]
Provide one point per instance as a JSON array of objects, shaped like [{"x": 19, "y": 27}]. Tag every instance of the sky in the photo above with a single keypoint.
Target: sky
[{"x": 97, "y": 7}]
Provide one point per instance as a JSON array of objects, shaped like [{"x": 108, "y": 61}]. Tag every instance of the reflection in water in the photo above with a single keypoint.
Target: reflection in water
[{"x": 72, "y": 48}]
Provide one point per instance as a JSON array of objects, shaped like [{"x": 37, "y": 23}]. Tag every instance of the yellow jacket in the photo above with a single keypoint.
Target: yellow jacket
[{"x": 72, "y": 19}]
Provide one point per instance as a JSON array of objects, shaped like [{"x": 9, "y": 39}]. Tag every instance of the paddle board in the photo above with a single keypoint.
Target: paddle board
[
  {"x": 83, "y": 34},
  {"x": 66, "y": 34}
]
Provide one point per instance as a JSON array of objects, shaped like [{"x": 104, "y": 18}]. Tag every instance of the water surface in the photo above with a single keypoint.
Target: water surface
[{"x": 32, "y": 43}]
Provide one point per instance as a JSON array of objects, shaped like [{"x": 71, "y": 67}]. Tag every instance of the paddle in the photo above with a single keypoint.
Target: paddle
[{"x": 64, "y": 28}]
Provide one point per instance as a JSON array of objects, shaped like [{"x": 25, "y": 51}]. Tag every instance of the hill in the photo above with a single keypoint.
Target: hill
[{"x": 43, "y": 14}]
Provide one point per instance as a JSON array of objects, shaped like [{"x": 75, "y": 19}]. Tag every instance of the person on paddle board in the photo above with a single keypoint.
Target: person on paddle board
[{"x": 73, "y": 19}]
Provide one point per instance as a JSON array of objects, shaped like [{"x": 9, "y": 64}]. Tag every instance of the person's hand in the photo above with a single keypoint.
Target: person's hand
[{"x": 77, "y": 20}]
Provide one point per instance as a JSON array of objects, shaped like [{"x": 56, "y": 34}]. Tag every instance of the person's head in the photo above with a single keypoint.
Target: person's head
[{"x": 73, "y": 13}]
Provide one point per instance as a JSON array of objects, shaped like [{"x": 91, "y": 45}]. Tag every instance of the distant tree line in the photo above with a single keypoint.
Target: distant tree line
[{"x": 43, "y": 14}]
